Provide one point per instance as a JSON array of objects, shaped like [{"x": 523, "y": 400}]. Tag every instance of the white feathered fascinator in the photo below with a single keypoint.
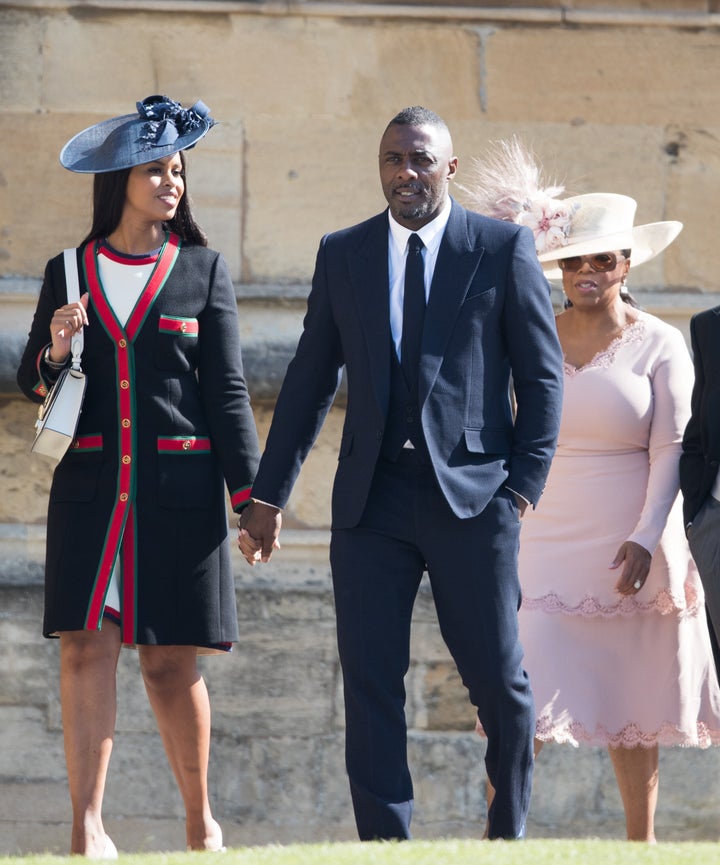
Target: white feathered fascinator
[{"x": 507, "y": 183}]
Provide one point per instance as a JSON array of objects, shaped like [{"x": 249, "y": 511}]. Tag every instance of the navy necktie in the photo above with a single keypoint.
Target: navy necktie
[{"x": 413, "y": 310}]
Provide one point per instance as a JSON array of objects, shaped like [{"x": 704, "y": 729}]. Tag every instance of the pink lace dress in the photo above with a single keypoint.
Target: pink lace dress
[{"x": 607, "y": 669}]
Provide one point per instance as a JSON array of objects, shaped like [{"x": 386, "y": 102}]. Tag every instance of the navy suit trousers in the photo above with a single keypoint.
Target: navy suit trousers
[{"x": 407, "y": 528}]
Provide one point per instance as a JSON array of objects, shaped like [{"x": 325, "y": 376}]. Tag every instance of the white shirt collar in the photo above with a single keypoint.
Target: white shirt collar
[{"x": 430, "y": 234}]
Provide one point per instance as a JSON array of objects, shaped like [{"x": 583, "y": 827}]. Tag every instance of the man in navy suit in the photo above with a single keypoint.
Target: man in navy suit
[{"x": 435, "y": 469}]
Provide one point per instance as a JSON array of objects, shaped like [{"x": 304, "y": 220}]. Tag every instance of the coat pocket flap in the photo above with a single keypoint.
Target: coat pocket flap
[
  {"x": 488, "y": 441},
  {"x": 178, "y": 325}
]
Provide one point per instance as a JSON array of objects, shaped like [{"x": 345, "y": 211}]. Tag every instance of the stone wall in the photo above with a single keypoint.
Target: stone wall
[
  {"x": 617, "y": 96},
  {"x": 277, "y": 772}
]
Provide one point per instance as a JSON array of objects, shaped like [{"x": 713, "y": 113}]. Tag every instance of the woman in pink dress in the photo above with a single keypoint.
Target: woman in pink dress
[{"x": 613, "y": 620}]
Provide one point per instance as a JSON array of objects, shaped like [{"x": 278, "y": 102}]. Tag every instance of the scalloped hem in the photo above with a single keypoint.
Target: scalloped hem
[
  {"x": 589, "y": 607},
  {"x": 630, "y": 736}
]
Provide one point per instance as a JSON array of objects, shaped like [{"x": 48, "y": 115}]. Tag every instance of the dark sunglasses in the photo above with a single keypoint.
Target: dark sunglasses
[{"x": 601, "y": 262}]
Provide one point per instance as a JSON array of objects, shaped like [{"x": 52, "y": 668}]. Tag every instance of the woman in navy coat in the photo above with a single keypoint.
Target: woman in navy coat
[{"x": 137, "y": 548}]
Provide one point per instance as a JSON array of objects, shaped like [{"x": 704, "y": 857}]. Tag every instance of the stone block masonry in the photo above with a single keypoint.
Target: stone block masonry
[
  {"x": 619, "y": 95},
  {"x": 277, "y": 764}
]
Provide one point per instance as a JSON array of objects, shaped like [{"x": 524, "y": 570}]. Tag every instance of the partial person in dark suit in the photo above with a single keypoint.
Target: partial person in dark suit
[
  {"x": 434, "y": 469},
  {"x": 699, "y": 462}
]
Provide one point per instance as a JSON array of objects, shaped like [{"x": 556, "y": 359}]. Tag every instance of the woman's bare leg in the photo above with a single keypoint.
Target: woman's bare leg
[
  {"x": 179, "y": 699},
  {"x": 88, "y": 697},
  {"x": 636, "y": 770}
]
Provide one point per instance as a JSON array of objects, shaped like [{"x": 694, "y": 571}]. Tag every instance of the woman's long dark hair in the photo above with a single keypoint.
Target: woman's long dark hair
[{"x": 109, "y": 189}]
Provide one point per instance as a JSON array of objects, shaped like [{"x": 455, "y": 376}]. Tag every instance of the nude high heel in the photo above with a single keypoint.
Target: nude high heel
[{"x": 109, "y": 850}]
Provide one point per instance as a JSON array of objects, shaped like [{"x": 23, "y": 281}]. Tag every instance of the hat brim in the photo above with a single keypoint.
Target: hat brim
[
  {"x": 644, "y": 241},
  {"x": 95, "y": 150}
]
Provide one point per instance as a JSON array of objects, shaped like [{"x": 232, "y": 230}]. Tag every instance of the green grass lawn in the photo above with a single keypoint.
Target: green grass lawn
[{"x": 541, "y": 852}]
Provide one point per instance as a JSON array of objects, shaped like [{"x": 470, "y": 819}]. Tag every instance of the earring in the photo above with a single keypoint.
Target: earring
[{"x": 623, "y": 287}]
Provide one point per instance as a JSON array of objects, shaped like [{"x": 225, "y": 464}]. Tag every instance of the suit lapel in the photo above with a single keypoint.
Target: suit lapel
[
  {"x": 457, "y": 261},
  {"x": 368, "y": 269}
]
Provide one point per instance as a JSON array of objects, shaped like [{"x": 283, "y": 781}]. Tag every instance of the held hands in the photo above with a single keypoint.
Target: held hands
[
  {"x": 258, "y": 529},
  {"x": 66, "y": 321},
  {"x": 635, "y": 569}
]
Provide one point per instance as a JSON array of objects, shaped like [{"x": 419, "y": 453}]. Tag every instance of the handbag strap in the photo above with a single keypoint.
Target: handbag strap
[{"x": 73, "y": 295}]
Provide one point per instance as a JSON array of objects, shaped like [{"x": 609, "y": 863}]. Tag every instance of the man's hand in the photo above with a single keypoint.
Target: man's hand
[
  {"x": 522, "y": 504},
  {"x": 258, "y": 530}
]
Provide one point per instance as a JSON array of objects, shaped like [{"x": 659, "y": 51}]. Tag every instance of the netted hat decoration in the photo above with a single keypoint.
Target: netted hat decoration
[
  {"x": 160, "y": 128},
  {"x": 507, "y": 183}
]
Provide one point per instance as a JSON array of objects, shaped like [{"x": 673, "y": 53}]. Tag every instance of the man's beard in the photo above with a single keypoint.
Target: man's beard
[{"x": 416, "y": 211}]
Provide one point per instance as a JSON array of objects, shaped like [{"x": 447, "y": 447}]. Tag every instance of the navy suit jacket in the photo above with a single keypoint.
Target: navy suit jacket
[
  {"x": 489, "y": 317},
  {"x": 701, "y": 443}
]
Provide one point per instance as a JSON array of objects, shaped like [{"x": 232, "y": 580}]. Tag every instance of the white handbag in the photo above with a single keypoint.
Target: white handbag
[{"x": 59, "y": 414}]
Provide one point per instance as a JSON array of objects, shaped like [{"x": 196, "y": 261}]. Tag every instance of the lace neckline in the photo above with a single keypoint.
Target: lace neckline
[{"x": 631, "y": 333}]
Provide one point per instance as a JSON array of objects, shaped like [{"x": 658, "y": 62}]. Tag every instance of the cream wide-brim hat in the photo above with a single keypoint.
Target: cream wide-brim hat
[{"x": 603, "y": 222}]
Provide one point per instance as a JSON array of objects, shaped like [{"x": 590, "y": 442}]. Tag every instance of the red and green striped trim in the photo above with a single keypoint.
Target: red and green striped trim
[
  {"x": 90, "y": 442},
  {"x": 128, "y": 627},
  {"x": 40, "y": 387},
  {"x": 118, "y": 517},
  {"x": 165, "y": 263},
  {"x": 178, "y": 325},
  {"x": 120, "y": 538},
  {"x": 240, "y": 497},
  {"x": 139, "y": 260},
  {"x": 115, "y": 539},
  {"x": 183, "y": 444}
]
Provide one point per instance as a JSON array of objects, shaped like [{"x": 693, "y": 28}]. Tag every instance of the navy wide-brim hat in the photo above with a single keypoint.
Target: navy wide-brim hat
[{"x": 160, "y": 128}]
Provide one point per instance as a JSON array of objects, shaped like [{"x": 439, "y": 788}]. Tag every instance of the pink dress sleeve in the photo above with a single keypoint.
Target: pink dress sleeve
[{"x": 671, "y": 377}]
